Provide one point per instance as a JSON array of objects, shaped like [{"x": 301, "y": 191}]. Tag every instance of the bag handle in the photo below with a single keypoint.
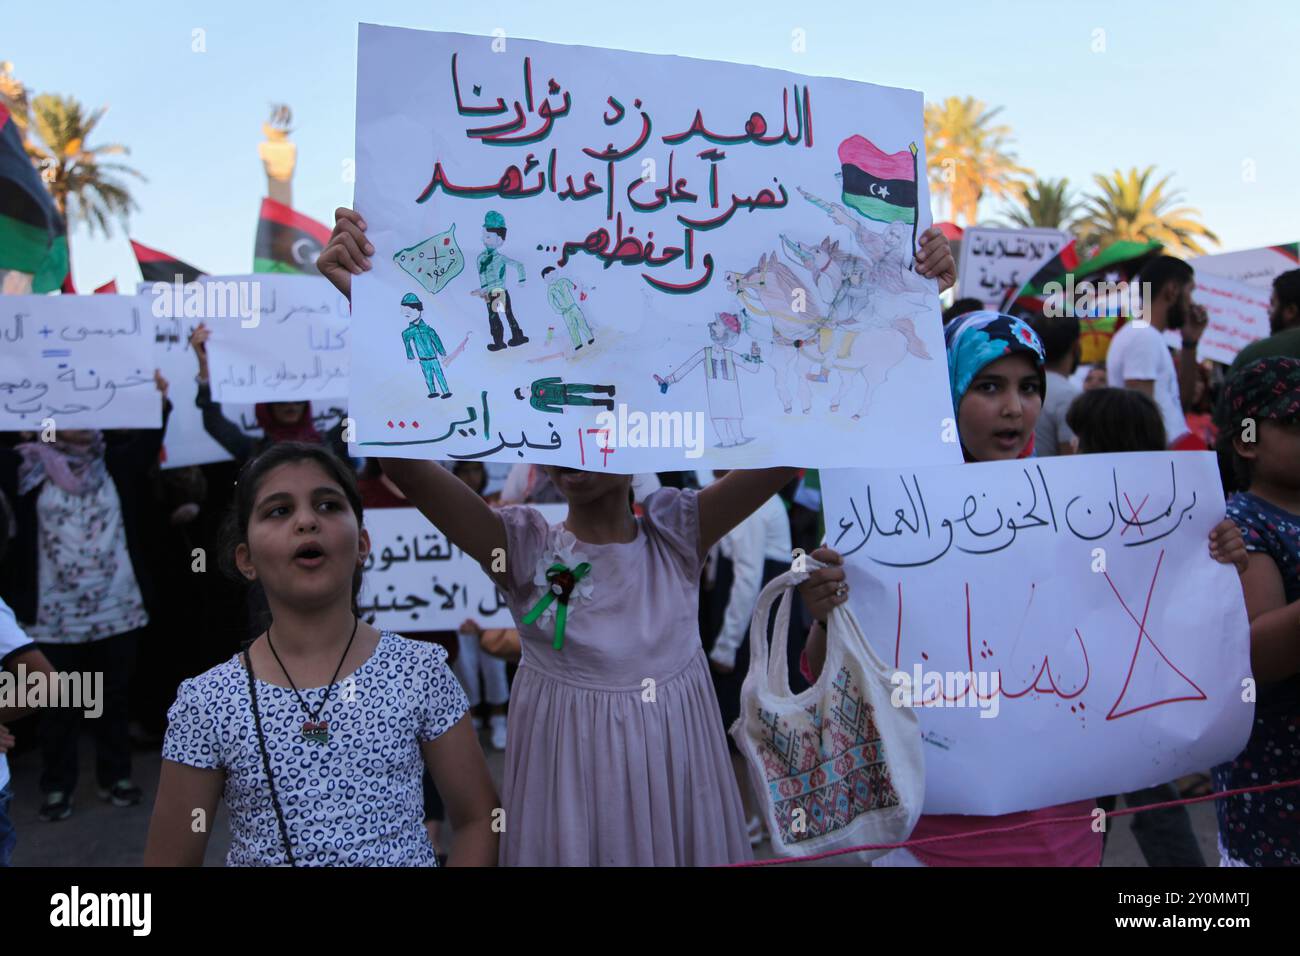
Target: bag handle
[{"x": 774, "y": 666}]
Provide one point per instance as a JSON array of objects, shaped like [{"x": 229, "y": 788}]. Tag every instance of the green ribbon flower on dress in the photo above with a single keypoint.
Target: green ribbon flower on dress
[{"x": 565, "y": 577}]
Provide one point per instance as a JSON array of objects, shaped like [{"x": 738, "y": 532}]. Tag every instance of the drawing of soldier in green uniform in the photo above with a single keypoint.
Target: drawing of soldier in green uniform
[
  {"x": 427, "y": 345},
  {"x": 492, "y": 266},
  {"x": 559, "y": 292},
  {"x": 550, "y": 395}
]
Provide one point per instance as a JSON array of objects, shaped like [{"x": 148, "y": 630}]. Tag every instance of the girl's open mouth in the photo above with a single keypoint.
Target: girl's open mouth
[{"x": 309, "y": 555}]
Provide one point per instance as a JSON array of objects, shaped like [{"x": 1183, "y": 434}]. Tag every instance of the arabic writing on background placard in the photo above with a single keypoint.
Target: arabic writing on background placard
[
  {"x": 85, "y": 361},
  {"x": 416, "y": 580},
  {"x": 1238, "y": 315},
  {"x": 1072, "y": 599},
  {"x": 997, "y": 261},
  {"x": 626, "y": 262},
  {"x": 291, "y": 346}
]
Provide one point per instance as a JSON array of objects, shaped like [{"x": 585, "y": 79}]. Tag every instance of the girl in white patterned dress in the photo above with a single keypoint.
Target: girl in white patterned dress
[{"x": 319, "y": 748}]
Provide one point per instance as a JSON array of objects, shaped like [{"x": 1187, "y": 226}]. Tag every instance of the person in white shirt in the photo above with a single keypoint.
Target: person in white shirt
[{"x": 1138, "y": 357}]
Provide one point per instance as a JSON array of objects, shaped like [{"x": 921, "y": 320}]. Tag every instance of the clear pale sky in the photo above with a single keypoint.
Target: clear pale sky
[{"x": 1205, "y": 91}]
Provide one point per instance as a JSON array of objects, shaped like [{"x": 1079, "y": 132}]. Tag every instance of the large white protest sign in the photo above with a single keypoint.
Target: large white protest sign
[
  {"x": 1257, "y": 267},
  {"x": 627, "y": 262},
  {"x": 1238, "y": 315},
  {"x": 82, "y": 361},
  {"x": 275, "y": 338},
  {"x": 1058, "y": 623},
  {"x": 997, "y": 261},
  {"x": 416, "y": 580}
]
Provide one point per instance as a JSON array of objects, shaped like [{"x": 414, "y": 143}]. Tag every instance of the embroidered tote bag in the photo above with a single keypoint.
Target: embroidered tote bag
[{"x": 836, "y": 765}]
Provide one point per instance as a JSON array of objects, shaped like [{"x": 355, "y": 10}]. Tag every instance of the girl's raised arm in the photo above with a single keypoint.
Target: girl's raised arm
[
  {"x": 734, "y": 497},
  {"x": 453, "y": 506},
  {"x": 455, "y": 761},
  {"x": 182, "y": 815}
]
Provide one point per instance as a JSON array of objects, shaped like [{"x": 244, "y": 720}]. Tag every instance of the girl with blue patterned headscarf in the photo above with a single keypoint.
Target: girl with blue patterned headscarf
[{"x": 974, "y": 342}]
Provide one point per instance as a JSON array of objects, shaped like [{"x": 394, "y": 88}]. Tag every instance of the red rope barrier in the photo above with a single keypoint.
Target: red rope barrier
[{"x": 1019, "y": 826}]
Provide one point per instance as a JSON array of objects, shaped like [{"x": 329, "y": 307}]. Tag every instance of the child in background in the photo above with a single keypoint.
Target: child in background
[
  {"x": 1110, "y": 420},
  {"x": 616, "y": 755},
  {"x": 995, "y": 366},
  {"x": 317, "y": 735},
  {"x": 1060, "y": 338},
  {"x": 1260, "y": 422},
  {"x": 73, "y": 577}
]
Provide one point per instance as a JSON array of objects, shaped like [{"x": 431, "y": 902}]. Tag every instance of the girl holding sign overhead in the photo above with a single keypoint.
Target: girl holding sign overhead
[
  {"x": 616, "y": 755},
  {"x": 995, "y": 366},
  {"x": 279, "y": 421}
]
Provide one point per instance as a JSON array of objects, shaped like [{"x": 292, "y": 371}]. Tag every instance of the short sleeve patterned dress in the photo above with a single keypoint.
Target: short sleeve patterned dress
[
  {"x": 1263, "y": 829},
  {"x": 352, "y": 801},
  {"x": 616, "y": 754}
]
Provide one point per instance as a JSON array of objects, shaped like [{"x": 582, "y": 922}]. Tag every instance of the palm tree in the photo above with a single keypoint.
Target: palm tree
[
  {"x": 968, "y": 155},
  {"x": 1044, "y": 204},
  {"x": 13, "y": 95},
  {"x": 75, "y": 173},
  {"x": 1131, "y": 206}
]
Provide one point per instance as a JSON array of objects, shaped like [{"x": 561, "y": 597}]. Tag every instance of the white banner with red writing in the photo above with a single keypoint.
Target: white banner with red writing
[{"x": 1058, "y": 624}]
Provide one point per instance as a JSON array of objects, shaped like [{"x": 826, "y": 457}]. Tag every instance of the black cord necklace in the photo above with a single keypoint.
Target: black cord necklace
[{"x": 313, "y": 728}]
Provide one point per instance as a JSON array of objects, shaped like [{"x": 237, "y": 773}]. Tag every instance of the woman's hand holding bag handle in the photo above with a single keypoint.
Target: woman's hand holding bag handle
[{"x": 836, "y": 765}]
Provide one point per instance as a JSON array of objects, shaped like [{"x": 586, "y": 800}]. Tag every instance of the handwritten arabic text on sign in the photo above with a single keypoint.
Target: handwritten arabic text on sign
[
  {"x": 416, "y": 580},
  {"x": 294, "y": 348},
  {"x": 85, "y": 361},
  {"x": 1072, "y": 599},
  {"x": 1238, "y": 315},
  {"x": 626, "y": 262},
  {"x": 997, "y": 261}
]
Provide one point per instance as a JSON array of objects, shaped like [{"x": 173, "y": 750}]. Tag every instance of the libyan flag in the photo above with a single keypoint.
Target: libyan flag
[
  {"x": 158, "y": 266},
  {"x": 879, "y": 185},
  {"x": 287, "y": 241},
  {"x": 1122, "y": 260},
  {"x": 33, "y": 236}
]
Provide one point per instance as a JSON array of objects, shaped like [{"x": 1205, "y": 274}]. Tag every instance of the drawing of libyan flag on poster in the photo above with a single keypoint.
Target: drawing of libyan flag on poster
[{"x": 879, "y": 185}]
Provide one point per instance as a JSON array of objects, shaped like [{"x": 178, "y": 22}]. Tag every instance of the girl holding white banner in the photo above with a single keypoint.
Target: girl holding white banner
[
  {"x": 995, "y": 365},
  {"x": 616, "y": 755}
]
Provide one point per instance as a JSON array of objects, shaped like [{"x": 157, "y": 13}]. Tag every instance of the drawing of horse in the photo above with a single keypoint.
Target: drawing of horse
[{"x": 769, "y": 294}]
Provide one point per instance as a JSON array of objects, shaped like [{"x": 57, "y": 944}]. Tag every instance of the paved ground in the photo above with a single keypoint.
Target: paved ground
[{"x": 98, "y": 834}]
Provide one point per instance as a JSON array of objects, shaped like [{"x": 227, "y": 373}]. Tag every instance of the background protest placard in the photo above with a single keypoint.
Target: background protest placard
[
  {"x": 997, "y": 261},
  {"x": 186, "y": 442},
  {"x": 416, "y": 580},
  {"x": 275, "y": 338},
  {"x": 1257, "y": 267},
  {"x": 1238, "y": 315},
  {"x": 84, "y": 361},
  {"x": 628, "y": 262},
  {"x": 1062, "y": 628}
]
